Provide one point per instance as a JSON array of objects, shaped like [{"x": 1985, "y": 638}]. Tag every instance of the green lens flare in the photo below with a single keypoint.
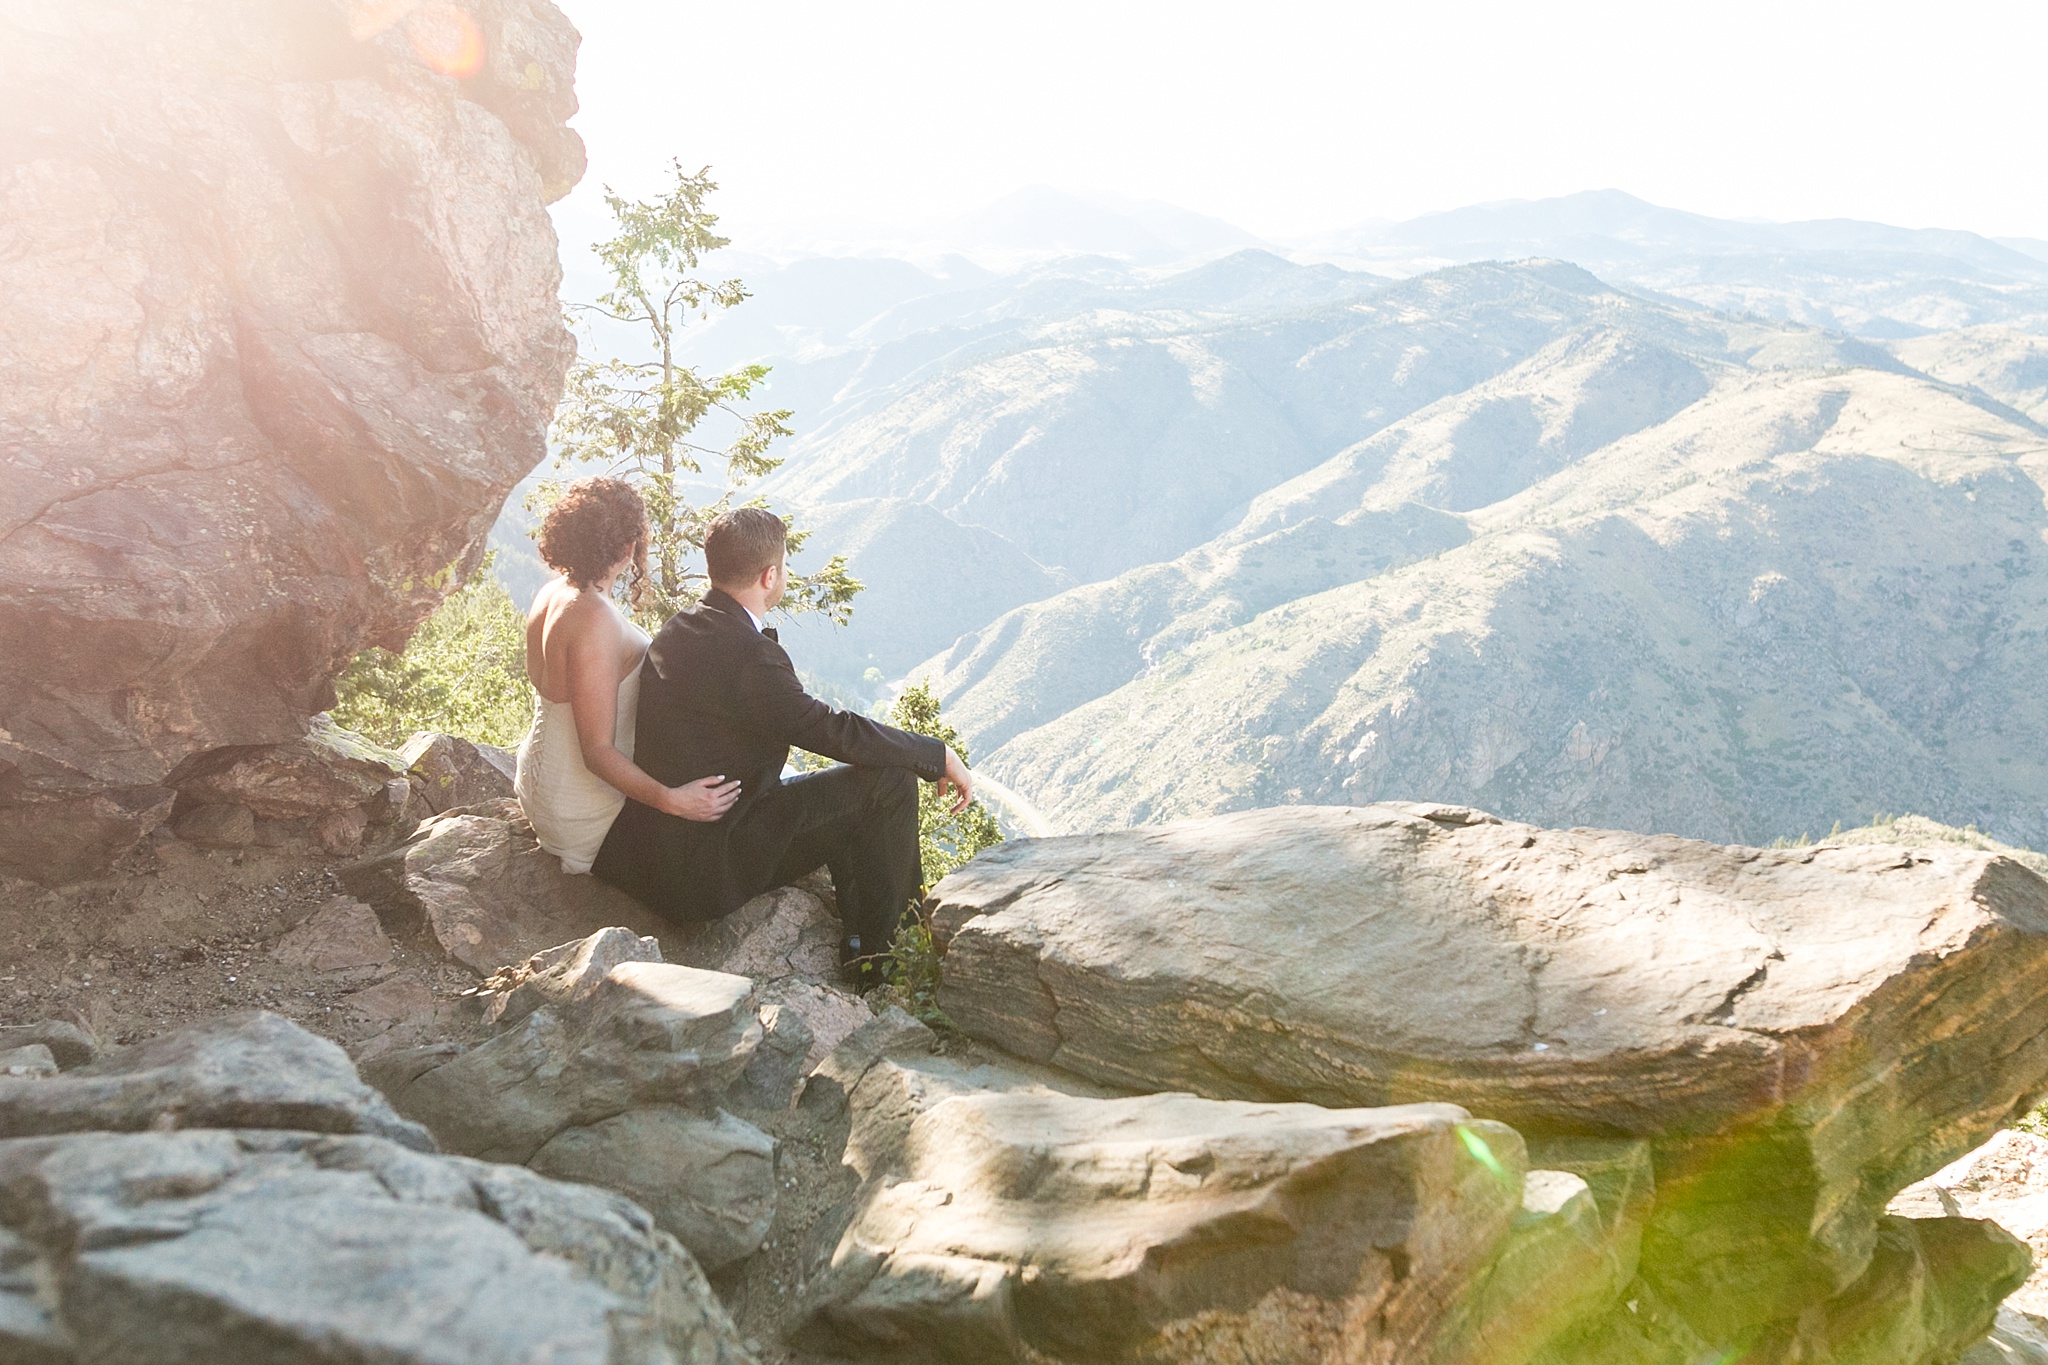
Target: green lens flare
[{"x": 1482, "y": 1153}]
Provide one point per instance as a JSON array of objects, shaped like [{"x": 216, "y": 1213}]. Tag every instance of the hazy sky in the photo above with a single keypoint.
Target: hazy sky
[{"x": 1287, "y": 117}]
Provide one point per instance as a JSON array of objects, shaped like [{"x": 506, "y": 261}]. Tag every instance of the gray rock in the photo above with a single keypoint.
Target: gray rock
[
  {"x": 31, "y": 1061},
  {"x": 1731, "y": 1005},
  {"x": 475, "y": 883},
  {"x": 776, "y": 1072},
  {"x": 2016, "y": 1338},
  {"x": 1930, "y": 1293},
  {"x": 229, "y": 481},
  {"x": 1021, "y": 1223},
  {"x": 566, "y": 974},
  {"x": 786, "y": 932},
  {"x": 653, "y": 1034},
  {"x": 892, "y": 1033},
  {"x": 224, "y": 826},
  {"x": 2005, "y": 1180},
  {"x": 803, "y": 1021},
  {"x": 253, "y": 1070},
  {"x": 28, "y": 1334},
  {"x": 68, "y": 1043},
  {"x": 1562, "y": 1264},
  {"x": 708, "y": 1181},
  {"x": 455, "y": 772},
  {"x": 340, "y": 936},
  {"x": 202, "y": 1247}
]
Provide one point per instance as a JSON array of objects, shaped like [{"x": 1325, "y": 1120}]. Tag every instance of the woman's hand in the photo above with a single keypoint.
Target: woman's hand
[{"x": 708, "y": 798}]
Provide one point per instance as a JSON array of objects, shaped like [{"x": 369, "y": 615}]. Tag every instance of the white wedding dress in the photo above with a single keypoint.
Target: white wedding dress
[{"x": 571, "y": 807}]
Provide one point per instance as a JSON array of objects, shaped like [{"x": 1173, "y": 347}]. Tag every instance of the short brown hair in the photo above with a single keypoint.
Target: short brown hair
[
  {"x": 592, "y": 526},
  {"x": 743, "y": 542}
]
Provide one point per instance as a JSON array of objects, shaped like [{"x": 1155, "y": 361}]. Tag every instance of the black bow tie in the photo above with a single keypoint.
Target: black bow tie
[{"x": 769, "y": 631}]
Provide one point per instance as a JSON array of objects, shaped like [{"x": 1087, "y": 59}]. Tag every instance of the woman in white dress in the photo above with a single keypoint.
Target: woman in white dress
[{"x": 583, "y": 657}]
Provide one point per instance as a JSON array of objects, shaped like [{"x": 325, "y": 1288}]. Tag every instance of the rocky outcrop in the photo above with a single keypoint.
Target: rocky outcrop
[
  {"x": 608, "y": 1068},
  {"x": 1797, "y": 1035},
  {"x": 264, "y": 1241},
  {"x": 280, "y": 300}
]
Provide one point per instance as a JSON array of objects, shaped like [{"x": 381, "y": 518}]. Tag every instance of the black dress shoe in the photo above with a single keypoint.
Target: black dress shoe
[{"x": 862, "y": 971}]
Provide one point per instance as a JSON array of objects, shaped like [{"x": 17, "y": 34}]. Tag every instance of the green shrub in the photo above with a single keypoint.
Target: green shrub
[
  {"x": 462, "y": 673},
  {"x": 945, "y": 840}
]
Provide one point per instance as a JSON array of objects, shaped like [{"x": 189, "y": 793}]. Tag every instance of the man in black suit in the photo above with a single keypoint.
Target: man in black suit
[{"x": 718, "y": 697}]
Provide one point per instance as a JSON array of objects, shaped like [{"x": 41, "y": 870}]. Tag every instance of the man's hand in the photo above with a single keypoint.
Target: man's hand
[{"x": 960, "y": 780}]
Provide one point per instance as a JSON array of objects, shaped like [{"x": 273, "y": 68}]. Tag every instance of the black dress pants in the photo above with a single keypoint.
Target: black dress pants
[{"x": 861, "y": 823}]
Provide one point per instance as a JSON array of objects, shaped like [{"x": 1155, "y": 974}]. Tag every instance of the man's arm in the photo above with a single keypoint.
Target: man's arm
[{"x": 776, "y": 696}]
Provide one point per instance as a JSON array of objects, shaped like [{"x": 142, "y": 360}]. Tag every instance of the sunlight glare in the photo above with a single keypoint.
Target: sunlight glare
[
  {"x": 368, "y": 18},
  {"x": 447, "y": 39}
]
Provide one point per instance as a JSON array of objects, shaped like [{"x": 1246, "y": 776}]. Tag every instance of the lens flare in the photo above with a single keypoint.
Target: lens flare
[
  {"x": 447, "y": 39},
  {"x": 368, "y": 18},
  {"x": 1482, "y": 1153}
]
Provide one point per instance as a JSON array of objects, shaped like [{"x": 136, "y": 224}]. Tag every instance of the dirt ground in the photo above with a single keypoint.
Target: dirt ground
[{"x": 178, "y": 933}]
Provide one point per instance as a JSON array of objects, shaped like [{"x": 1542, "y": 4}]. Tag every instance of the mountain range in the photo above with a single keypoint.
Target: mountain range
[{"x": 1551, "y": 537}]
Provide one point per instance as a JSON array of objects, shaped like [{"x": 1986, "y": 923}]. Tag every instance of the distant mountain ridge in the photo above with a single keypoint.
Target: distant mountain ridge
[{"x": 1577, "y": 549}]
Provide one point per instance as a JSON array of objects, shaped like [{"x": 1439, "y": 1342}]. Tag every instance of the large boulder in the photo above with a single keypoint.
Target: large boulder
[
  {"x": 474, "y": 882},
  {"x": 196, "y": 1248},
  {"x": 280, "y": 299},
  {"x": 1008, "y": 1214},
  {"x": 330, "y": 784},
  {"x": 1798, "y": 1034}
]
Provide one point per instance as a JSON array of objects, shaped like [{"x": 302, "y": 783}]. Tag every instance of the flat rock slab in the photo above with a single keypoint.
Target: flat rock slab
[
  {"x": 1830, "y": 1023},
  {"x": 254, "y": 1070},
  {"x": 564, "y": 975},
  {"x": 197, "y": 1248}
]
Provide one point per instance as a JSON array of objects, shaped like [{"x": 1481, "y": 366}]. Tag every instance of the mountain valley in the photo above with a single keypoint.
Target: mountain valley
[{"x": 1561, "y": 542}]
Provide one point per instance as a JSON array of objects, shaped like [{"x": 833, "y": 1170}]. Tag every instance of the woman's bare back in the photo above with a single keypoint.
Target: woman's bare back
[{"x": 565, "y": 625}]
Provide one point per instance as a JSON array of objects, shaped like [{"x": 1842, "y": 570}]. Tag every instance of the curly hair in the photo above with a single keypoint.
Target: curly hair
[{"x": 592, "y": 526}]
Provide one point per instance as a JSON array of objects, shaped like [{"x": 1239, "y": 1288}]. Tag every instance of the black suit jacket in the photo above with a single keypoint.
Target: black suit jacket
[{"x": 719, "y": 696}]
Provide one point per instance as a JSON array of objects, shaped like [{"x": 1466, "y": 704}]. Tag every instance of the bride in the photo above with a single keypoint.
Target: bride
[{"x": 583, "y": 657}]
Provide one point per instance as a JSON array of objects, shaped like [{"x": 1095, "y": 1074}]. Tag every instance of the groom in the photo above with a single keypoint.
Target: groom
[{"x": 718, "y": 697}]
